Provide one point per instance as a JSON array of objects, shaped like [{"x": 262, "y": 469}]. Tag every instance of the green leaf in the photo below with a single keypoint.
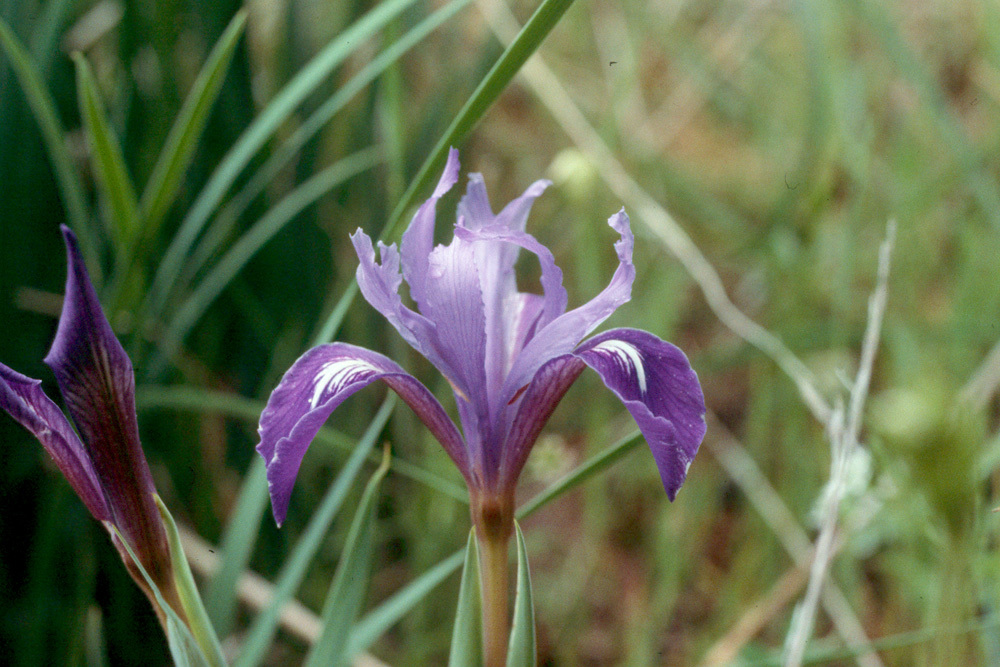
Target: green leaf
[
  {"x": 254, "y": 239},
  {"x": 198, "y": 622},
  {"x": 184, "y": 648},
  {"x": 350, "y": 581},
  {"x": 376, "y": 622},
  {"x": 254, "y": 138},
  {"x": 467, "y": 635},
  {"x": 319, "y": 119},
  {"x": 113, "y": 180},
  {"x": 179, "y": 147},
  {"x": 265, "y": 625},
  {"x": 522, "y": 651},
  {"x": 514, "y": 56},
  {"x": 44, "y": 110}
]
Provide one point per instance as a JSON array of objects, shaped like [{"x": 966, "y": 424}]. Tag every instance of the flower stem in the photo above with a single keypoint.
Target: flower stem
[
  {"x": 494, "y": 522},
  {"x": 493, "y": 584}
]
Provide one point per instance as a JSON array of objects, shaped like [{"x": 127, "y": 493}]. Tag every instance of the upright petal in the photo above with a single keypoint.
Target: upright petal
[
  {"x": 418, "y": 239},
  {"x": 24, "y": 399},
  {"x": 659, "y": 388},
  {"x": 97, "y": 383},
  {"x": 562, "y": 334},
  {"x": 313, "y": 388}
]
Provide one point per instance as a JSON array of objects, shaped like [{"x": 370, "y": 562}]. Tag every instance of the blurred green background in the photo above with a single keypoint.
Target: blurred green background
[{"x": 781, "y": 136}]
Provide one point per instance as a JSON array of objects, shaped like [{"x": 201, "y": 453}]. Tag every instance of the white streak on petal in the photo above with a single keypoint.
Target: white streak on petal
[
  {"x": 629, "y": 355},
  {"x": 336, "y": 373}
]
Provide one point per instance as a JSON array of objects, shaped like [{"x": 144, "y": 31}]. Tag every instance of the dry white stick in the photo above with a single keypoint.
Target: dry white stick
[
  {"x": 843, "y": 440},
  {"x": 983, "y": 384}
]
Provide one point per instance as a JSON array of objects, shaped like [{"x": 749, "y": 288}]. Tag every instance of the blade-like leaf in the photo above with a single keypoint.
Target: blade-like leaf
[
  {"x": 514, "y": 56},
  {"x": 378, "y": 621},
  {"x": 467, "y": 635},
  {"x": 265, "y": 625},
  {"x": 522, "y": 634},
  {"x": 44, "y": 110},
  {"x": 254, "y": 239},
  {"x": 113, "y": 180},
  {"x": 201, "y": 627},
  {"x": 350, "y": 581},
  {"x": 220, "y": 227},
  {"x": 183, "y": 648},
  {"x": 255, "y": 136},
  {"x": 178, "y": 149}
]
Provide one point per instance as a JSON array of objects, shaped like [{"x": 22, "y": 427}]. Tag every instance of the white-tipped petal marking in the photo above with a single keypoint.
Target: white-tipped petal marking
[
  {"x": 336, "y": 374},
  {"x": 628, "y": 355}
]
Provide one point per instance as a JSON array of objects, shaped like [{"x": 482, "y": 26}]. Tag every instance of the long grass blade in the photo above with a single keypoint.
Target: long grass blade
[
  {"x": 350, "y": 581},
  {"x": 255, "y": 136},
  {"x": 178, "y": 149},
  {"x": 113, "y": 180},
  {"x": 44, "y": 110},
  {"x": 254, "y": 239},
  {"x": 227, "y": 218},
  {"x": 266, "y": 624}
]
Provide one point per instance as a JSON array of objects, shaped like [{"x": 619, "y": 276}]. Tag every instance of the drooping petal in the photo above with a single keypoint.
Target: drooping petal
[
  {"x": 418, "y": 239},
  {"x": 659, "y": 388},
  {"x": 96, "y": 380},
  {"x": 534, "y": 407},
  {"x": 23, "y": 398},
  {"x": 562, "y": 334},
  {"x": 313, "y": 388}
]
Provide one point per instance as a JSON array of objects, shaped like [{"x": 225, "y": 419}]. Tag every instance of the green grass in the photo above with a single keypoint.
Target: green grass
[{"x": 215, "y": 199}]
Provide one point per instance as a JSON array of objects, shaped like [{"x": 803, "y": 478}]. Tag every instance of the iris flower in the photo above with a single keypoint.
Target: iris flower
[
  {"x": 104, "y": 463},
  {"x": 509, "y": 357}
]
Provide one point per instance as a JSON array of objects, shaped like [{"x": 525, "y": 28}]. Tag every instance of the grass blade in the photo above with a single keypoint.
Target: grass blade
[
  {"x": 467, "y": 636},
  {"x": 44, "y": 110},
  {"x": 255, "y": 136},
  {"x": 266, "y": 624},
  {"x": 347, "y": 592},
  {"x": 486, "y": 93},
  {"x": 378, "y": 621},
  {"x": 254, "y": 239},
  {"x": 113, "y": 180},
  {"x": 178, "y": 150},
  {"x": 522, "y": 634}
]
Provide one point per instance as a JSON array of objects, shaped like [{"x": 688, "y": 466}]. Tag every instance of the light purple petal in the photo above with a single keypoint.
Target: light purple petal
[
  {"x": 96, "y": 380},
  {"x": 514, "y": 215},
  {"x": 418, "y": 239},
  {"x": 23, "y": 398},
  {"x": 659, "y": 388},
  {"x": 561, "y": 335},
  {"x": 313, "y": 388}
]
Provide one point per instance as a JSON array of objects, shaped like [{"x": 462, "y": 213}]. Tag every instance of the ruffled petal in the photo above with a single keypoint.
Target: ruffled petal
[
  {"x": 97, "y": 383},
  {"x": 23, "y": 398},
  {"x": 563, "y": 333},
  {"x": 418, "y": 239},
  {"x": 313, "y": 388},
  {"x": 660, "y": 389}
]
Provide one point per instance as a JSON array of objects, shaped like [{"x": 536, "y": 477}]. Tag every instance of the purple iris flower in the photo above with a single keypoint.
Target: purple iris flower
[
  {"x": 509, "y": 356},
  {"x": 104, "y": 463}
]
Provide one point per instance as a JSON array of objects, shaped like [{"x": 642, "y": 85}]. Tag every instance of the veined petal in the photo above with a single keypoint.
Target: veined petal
[
  {"x": 562, "y": 334},
  {"x": 23, "y": 398},
  {"x": 313, "y": 388},
  {"x": 418, "y": 239},
  {"x": 659, "y": 388},
  {"x": 534, "y": 407},
  {"x": 96, "y": 380}
]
